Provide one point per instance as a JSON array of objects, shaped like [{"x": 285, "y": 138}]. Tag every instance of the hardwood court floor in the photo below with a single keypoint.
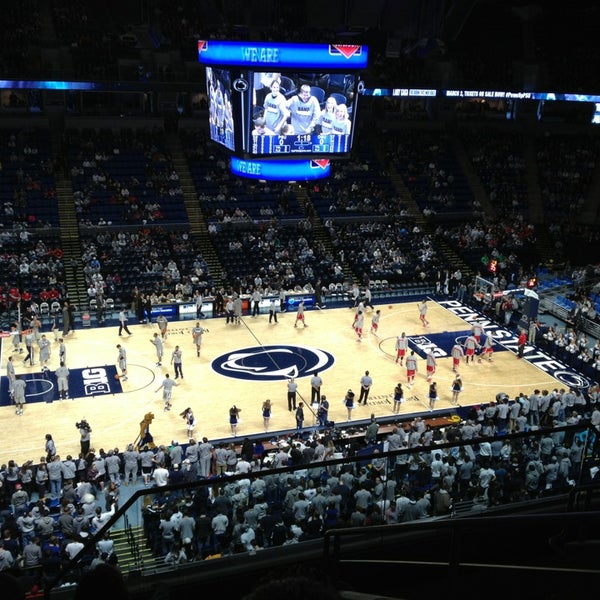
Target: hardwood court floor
[{"x": 115, "y": 417}]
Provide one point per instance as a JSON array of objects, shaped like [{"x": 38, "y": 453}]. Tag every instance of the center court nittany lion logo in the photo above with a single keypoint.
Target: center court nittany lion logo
[{"x": 272, "y": 363}]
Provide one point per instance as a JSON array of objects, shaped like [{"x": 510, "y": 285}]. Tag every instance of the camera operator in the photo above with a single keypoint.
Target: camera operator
[{"x": 84, "y": 433}]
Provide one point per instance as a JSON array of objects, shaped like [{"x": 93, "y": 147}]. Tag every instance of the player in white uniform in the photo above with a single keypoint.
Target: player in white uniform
[
  {"x": 158, "y": 343},
  {"x": 44, "y": 346},
  {"x": 360, "y": 308},
  {"x": 167, "y": 387},
  {"x": 62, "y": 381},
  {"x": 10, "y": 375},
  {"x": 197, "y": 332},
  {"x": 122, "y": 361}
]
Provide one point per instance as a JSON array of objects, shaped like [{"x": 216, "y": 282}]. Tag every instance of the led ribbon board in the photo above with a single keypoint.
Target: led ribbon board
[
  {"x": 281, "y": 170},
  {"x": 260, "y": 55}
]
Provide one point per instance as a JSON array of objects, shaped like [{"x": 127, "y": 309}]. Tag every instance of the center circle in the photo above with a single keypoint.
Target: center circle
[{"x": 272, "y": 363}]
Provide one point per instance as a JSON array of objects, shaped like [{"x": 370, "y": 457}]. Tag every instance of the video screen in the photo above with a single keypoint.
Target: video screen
[
  {"x": 301, "y": 113},
  {"x": 220, "y": 110}
]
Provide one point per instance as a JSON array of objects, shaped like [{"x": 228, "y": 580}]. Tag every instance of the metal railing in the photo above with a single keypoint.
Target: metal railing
[{"x": 131, "y": 513}]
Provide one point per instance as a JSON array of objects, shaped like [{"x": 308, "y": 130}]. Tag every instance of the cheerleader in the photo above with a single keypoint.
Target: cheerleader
[
  {"x": 456, "y": 389},
  {"x": 432, "y": 395},
  {"x": 398, "y": 397},
  {"x": 266, "y": 413},
  {"x": 234, "y": 416},
  {"x": 190, "y": 421}
]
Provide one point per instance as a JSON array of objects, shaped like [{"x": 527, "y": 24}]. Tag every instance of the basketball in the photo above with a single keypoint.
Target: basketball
[
  {"x": 391, "y": 306},
  {"x": 117, "y": 377}
]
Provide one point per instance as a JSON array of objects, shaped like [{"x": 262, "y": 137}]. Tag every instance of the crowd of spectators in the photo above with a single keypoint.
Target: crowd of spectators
[
  {"x": 31, "y": 257},
  {"x": 358, "y": 189},
  {"x": 165, "y": 264},
  {"x": 499, "y": 162},
  {"x": 428, "y": 167},
  {"x": 573, "y": 348},
  {"x": 123, "y": 177},
  {"x": 472, "y": 465},
  {"x": 283, "y": 256},
  {"x": 566, "y": 164},
  {"x": 390, "y": 246},
  {"x": 27, "y": 179},
  {"x": 510, "y": 243},
  {"x": 32, "y": 269},
  {"x": 397, "y": 252}
]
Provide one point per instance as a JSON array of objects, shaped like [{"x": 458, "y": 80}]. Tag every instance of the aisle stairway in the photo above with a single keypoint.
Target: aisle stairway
[
  {"x": 472, "y": 177},
  {"x": 198, "y": 224},
  {"x": 71, "y": 243},
  {"x": 132, "y": 550},
  {"x": 546, "y": 250}
]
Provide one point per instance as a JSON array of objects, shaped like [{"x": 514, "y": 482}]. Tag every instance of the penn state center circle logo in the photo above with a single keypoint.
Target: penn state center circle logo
[
  {"x": 572, "y": 379},
  {"x": 272, "y": 363}
]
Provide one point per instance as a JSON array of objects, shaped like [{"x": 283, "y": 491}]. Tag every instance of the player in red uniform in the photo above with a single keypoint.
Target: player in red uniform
[
  {"x": 431, "y": 365},
  {"x": 375, "y": 321},
  {"x": 488, "y": 347},
  {"x": 471, "y": 345},
  {"x": 411, "y": 368},
  {"x": 300, "y": 315},
  {"x": 457, "y": 354},
  {"x": 360, "y": 308},
  {"x": 422, "y": 306},
  {"x": 401, "y": 347},
  {"x": 477, "y": 331},
  {"x": 358, "y": 325}
]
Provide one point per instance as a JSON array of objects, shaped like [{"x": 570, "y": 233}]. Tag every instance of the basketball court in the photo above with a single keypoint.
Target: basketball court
[{"x": 246, "y": 363}]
